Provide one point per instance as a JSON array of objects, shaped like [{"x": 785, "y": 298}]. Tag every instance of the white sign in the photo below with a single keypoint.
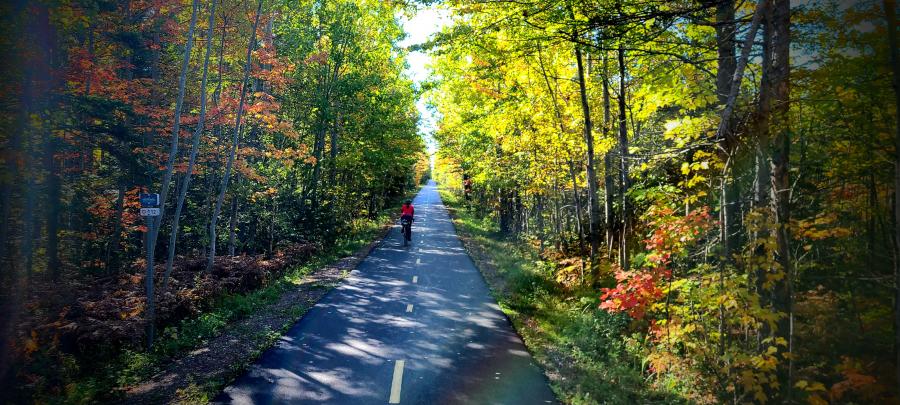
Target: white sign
[{"x": 149, "y": 212}]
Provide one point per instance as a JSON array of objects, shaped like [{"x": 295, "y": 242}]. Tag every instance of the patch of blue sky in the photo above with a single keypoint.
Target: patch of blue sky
[{"x": 419, "y": 28}]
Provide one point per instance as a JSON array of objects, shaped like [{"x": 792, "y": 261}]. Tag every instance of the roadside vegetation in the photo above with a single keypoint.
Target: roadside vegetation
[
  {"x": 675, "y": 200},
  {"x": 587, "y": 353},
  {"x": 274, "y": 132},
  {"x": 113, "y": 368},
  {"x": 712, "y": 183}
]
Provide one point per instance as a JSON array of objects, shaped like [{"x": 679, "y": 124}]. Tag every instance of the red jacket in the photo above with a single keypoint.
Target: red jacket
[{"x": 407, "y": 210}]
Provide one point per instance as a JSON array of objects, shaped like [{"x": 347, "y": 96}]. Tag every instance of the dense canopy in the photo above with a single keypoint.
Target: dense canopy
[
  {"x": 713, "y": 184},
  {"x": 720, "y": 172}
]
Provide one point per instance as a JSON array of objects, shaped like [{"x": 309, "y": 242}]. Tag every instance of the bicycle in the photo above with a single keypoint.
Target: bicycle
[{"x": 406, "y": 230}]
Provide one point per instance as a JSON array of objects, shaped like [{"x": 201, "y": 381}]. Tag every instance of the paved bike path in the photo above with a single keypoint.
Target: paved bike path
[{"x": 411, "y": 325}]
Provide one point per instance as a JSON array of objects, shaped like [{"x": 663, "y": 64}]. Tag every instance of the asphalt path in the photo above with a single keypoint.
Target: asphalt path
[{"x": 411, "y": 325}]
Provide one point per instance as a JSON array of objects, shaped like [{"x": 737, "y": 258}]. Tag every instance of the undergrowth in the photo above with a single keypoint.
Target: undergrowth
[{"x": 105, "y": 379}]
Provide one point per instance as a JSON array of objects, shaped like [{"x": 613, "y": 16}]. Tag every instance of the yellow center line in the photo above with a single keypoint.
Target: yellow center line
[
  {"x": 397, "y": 381},
  {"x": 409, "y": 307}
]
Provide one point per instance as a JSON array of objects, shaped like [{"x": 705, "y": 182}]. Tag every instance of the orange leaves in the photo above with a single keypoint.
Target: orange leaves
[
  {"x": 822, "y": 226},
  {"x": 271, "y": 69},
  {"x": 637, "y": 290},
  {"x": 265, "y": 194},
  {"x": 570, "y": 271},
  {"x": 289, "y": 156},
  {"x": 132, "y": 279},
  {"x": 134, "y": 307},
  {"x": 319, "y": 58},
  {"x": 248, "y": 172},
  {"x": 102, "y": 208},
  {"x": 31, "y": 344},
  {"x": 671, "y": 234},
  {"x": 486, "y": 90}
]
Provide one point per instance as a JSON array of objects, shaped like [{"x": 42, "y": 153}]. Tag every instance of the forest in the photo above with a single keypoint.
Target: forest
[
  {"x": 699, "y": 198},
  {"x": 723, "y": 174},
  {"x": 271, "y": 130}
]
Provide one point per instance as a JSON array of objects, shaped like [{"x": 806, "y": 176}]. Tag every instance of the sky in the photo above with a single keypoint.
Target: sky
[{"x": 419, "y": 28}]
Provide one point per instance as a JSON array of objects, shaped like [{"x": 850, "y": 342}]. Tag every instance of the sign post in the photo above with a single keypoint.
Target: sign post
[
  {"x": 149, "y": 200},
  {"x": 150, "y": 212},
  {"x": 149, "y": 205},
  {"x": 149, "y": 209}
]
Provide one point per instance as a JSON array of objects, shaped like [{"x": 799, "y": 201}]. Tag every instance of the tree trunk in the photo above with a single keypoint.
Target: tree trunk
[
  {"x": 890, "y": 14},
  {"x": 577, "y": 199},
  {"x": 53, "y": 181},
  {"x": 30, "y": 225},
  {"x": 735, "y": 87},
  {"x": 517, "y": 209},
  {"x": 209, "y": 204},
  {"x": 327, "y": 83},
  {"x": 195, "y": 146},
  {"x": 218, "y": 92},
  {"x": 761, "y": 156},
  {"x": 725, "y": 49},
  {"x": 608, "y": 180},
  {"x": 271, "y": 250},
  {"x": 557, "y": 222},
  {"x": 318, "y": 151},
  {"x": 112, "y": 249},
  {"x": 156, "y": 222},
  {"x": 724, "y": 75},
  {"x": 623, "y": 149},
  {"x": 594, "y": 229},
  {"x": 334, "y": 148},
  {"x": 232, "y": 223},
  {"x": 781, "y": 185},
  {"x": 562, "y": 130},
  {"x": 234, "y": 143},
  {"x": 539, "y": 219}
]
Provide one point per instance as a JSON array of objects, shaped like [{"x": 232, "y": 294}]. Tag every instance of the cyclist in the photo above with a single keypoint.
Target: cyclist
[{"x": 407, "y": 212}]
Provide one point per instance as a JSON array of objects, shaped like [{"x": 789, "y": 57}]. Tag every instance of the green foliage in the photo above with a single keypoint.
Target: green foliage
[
  {"x": 132, "y": 366},
  {"x": 328, "y": 140},
  {"x": 573, "y": 339},
  {"x": 712, "y": 309}
]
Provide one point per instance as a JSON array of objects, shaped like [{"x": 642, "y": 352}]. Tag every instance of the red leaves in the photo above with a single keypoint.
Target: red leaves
[
  {"x": 637, "y": 290},
  {"x": 671, "y": 234},
  {"x": 273, "y": 70},
  {"x": 633, "y": 293}
]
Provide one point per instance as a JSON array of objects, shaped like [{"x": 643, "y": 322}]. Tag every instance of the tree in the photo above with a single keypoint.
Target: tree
[
  {"x": 211, "y": 258},
  {"x": 890, "y": 15},
  {"x": 195, "y": 144}
]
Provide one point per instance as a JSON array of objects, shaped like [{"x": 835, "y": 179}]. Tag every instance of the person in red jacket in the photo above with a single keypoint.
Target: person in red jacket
[{"x": 407, "y": 212}]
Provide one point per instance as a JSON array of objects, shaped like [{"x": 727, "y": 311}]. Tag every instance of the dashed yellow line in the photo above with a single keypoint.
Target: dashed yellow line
[{"x": 397, "y": 381}]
